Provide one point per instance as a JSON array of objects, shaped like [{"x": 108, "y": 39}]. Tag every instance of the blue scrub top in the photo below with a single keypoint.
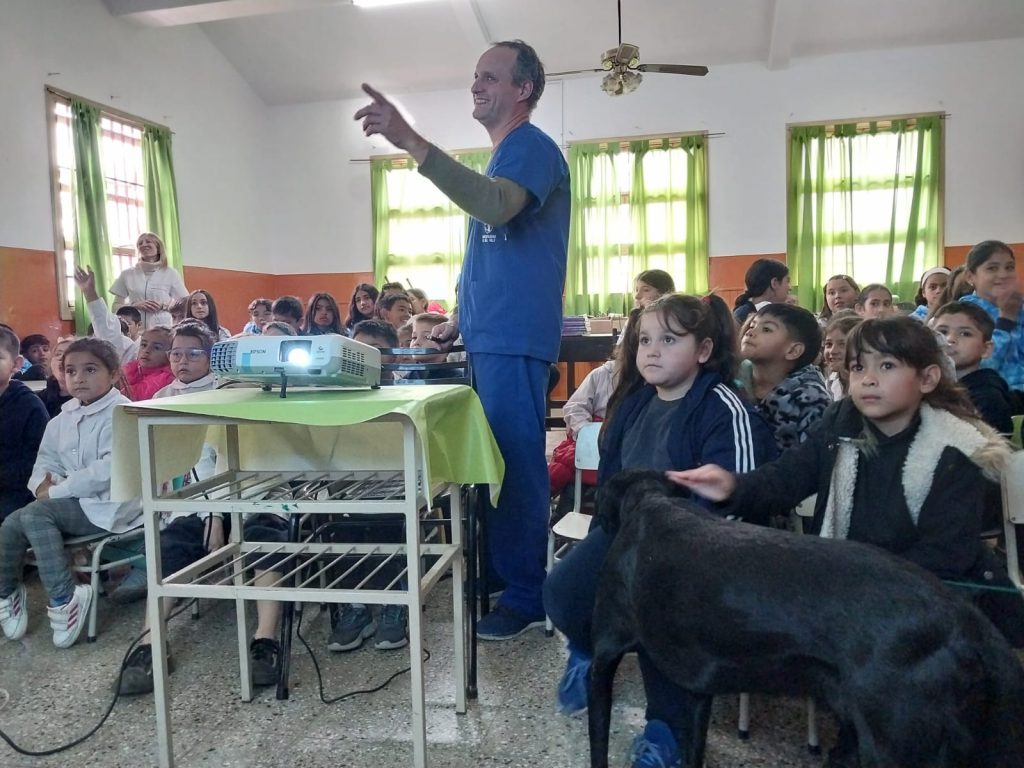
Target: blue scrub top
[{"x": 513, "y": 276}]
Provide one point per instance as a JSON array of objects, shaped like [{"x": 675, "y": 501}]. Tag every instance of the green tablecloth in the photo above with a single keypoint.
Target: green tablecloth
[{"x": 318, "y": 429}]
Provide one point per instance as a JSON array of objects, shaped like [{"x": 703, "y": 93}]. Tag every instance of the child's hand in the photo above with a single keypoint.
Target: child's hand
[
  {"x": 710, "y": 481},
  {"x": 1009, "y": 303},
  {"x": 43, "y": 491},
  {"x": 86, "y": 280},
  {"x": 214, "y": 533}
]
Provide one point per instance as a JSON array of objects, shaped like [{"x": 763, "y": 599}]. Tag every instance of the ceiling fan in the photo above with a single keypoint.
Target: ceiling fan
[{"x": 623, "y": 67}]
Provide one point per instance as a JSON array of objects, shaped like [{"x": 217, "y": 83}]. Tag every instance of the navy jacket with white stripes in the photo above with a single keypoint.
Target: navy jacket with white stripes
[{"x": 713, "y": 425}]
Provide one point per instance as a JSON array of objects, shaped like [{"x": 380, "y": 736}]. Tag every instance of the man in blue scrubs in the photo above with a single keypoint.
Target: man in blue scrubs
[{"x": 510, "y": 301}]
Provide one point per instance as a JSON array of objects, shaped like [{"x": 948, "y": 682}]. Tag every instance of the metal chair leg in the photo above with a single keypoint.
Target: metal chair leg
[{"x": 287, "y": 621}]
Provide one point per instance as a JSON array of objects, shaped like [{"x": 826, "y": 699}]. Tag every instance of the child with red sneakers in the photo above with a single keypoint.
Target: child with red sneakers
[{"x": 71, "y": 483}]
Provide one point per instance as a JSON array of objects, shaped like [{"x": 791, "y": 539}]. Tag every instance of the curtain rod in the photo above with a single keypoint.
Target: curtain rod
[
  {"x": 878, "y": 119},
  {"x": 371, "y": 158},
  {"x": 109, "y": 110}
]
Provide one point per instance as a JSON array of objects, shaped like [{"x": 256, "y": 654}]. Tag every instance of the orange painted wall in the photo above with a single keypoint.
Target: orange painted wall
[
  {"x": 28, "y": 287},
  {"x": 28, "y": 293}
]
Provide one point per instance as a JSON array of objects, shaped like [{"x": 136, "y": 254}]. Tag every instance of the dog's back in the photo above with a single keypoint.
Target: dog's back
[{"x": 722, "y": 607}]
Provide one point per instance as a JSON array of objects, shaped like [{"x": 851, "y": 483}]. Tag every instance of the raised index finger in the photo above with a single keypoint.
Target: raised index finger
[{"x": 374, "y": 94}]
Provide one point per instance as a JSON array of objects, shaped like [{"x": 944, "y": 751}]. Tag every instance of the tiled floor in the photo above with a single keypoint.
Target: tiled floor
[
  {"x": 54, "y": 696},
  {"x": 49, "y": 697}
]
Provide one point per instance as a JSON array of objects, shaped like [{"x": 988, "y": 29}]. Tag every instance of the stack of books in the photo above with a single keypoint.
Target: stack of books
[{"x": 574, "y": 325}]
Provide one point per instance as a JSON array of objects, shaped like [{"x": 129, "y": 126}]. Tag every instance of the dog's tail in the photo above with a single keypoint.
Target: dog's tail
[{"x": 1000, "y": 744}]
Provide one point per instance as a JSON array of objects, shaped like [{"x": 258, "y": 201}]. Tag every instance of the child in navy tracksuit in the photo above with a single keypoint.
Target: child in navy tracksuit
[{"x": 675, "y": 407}]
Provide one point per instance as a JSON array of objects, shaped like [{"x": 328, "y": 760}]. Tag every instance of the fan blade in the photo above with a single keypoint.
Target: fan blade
[
  {"x": 675, "y": 69},
  {"x": 574, "y": 72}
]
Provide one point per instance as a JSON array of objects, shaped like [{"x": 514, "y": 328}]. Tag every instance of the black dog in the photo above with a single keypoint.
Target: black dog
[{"x": 723, "y": 607}]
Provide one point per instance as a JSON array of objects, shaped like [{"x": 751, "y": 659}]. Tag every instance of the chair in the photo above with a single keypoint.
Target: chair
[
  {"x": 805, "y": 509},
  {"x": 1013, "y": 513},
  {"x": 575, "y": 525},
  {"x": 95, "y": 544}
]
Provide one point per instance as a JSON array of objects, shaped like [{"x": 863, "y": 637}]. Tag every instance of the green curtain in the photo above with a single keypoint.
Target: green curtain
[
  {"x": 635, "y": 208},
  {"x": 92, "y": 246},
  {"x": 864, "y": 201},
  {"x": 419, "y": 235},
  {"x": 161, "y": 192}
]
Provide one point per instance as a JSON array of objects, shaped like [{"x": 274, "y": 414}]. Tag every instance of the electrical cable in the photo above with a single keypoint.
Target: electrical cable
[
  {"x": 117, "y": 695},
  {"x": 350, "y": 694}
]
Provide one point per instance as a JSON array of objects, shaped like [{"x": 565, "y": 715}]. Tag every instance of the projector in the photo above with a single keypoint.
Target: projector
[{"x": 315, "y": 360}]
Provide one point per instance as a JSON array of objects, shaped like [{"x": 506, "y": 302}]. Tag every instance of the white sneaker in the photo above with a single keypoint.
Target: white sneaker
[
  {"x": 67, "y": 620},
  {"x": 13, "y": 614}
]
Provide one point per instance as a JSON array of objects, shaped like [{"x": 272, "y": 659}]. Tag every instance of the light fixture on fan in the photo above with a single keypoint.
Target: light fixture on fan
[{"x": 620, "y": 83}]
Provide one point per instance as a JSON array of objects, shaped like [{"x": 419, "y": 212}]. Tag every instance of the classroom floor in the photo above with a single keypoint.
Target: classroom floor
[{"x": 49, "y": 696}]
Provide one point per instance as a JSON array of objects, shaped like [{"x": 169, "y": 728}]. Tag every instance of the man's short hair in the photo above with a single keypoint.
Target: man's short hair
[
  {"x": 801, "y": 325},
  {"x": 985, "y": 324},
  {"x": 129, "y": 313},
  {"x": 288, "y": 306},
  {"x": 9, "y": 341},
  {"x": 377, "y": 329},
  {"x": 527, "y": 68},
  {"x": 32, "y": 340}
]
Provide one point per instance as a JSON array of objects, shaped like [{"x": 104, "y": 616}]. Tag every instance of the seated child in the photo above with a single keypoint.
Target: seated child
[
  {"x": 133, "y": 318},
  {"x": 178, "y": 310},
  {"x": 203, "y": 308},
  {"x": 833, "y": 351},
  {"x": 260, "y": 313},
  {"x": 931, "y": 292},
  {"x": 422, "y": 326},
  {"x": 35, "y": 349},
  {"x": 874, "y": 300},
  {"x": 105, "y": 325},
  {"x": 322, "y": 316},
  {"x": 188, "y": 537},
  {"x": 377, "y": 333},
  {"x": 780, "y": 346},
  {"x": 967, "y": 329},
  {"x": 151, "y": 372},
  {"x": 287, "y": 309},
  {"x": 56, "y": 393},
  {"x": 71, "y": 483},
  {"x": 352, "y": 623},
  {"x": 279, "y": 328},
  {"x": 23, "y": 420},
  {"x": 394, "y": 308}
]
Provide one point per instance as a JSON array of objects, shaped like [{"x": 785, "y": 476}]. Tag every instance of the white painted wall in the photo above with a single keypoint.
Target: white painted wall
[
  {"x": 323, "y": 214},
  {"x": 275, "y": 189},
  {"x": 170, "y": 76}
]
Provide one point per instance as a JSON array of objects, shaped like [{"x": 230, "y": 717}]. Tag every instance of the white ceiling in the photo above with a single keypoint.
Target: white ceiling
[{"x": 295, "y": 51}]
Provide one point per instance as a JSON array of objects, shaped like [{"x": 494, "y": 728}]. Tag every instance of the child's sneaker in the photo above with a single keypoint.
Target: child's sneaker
[
  {"x": 132, "y": 588},
  {"x": 264, "y": 657},
  {"x": 351, "y": 628},
  {"x": 14, "y": 614},
  {"x": 656, "y": 747},
  {"x": 392, "y": 630},
  {"x": 137, "y": 675},
  {"x": 67, "y": 620}
]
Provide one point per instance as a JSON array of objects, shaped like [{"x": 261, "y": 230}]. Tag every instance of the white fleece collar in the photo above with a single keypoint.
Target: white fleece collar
[{"x": 939, "y": 430}]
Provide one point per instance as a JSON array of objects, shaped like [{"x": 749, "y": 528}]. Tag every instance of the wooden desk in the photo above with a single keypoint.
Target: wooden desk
[{"x": 594, "y": 349}]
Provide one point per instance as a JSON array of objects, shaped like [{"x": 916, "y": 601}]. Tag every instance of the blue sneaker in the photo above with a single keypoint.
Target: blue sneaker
[
  {"x": 503, "y": 624},
  {"x": 572, "y": 690},
  {"x": 656, "y": 747}
]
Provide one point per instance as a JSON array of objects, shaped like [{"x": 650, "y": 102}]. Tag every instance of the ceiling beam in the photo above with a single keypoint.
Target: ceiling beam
[
  {"x": 172, "y": 13},
  {"x": 782, "y": 33},
  {"x": 472, "y": 22}
]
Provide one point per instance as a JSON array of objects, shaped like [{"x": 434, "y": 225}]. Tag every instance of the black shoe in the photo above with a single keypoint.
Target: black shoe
[
  {"x": 265, "y": 658},
  {"x": 137, "y": 675}
]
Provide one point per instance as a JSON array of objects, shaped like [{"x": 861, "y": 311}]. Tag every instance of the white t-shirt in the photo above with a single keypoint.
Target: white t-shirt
[{"x": 162, "y": 285}]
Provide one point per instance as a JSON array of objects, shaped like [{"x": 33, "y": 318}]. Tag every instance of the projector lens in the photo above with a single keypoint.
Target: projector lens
[{"x": 296, "y": 352}]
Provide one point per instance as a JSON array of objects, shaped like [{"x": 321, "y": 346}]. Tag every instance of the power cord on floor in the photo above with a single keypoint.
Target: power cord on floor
[
  {"x": 117, "y": 695},
  {"x": 350, "y": 694}
]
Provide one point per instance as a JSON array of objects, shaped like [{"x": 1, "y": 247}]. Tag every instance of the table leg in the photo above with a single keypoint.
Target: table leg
[{"x": 287, "y": 622}]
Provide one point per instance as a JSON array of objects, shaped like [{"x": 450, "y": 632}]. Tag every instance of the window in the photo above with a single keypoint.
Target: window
[
  {"x": 637, "y": 205},
  {"x": 419, "y": 234},
  {"x": 121, "y": 160},
  {"x": 864, "y": 200}
]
